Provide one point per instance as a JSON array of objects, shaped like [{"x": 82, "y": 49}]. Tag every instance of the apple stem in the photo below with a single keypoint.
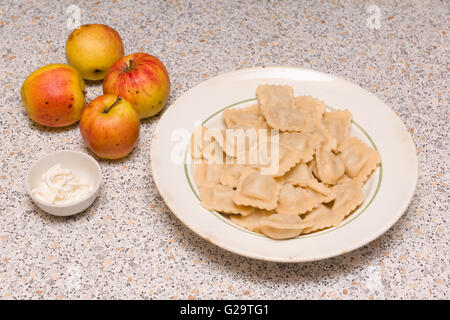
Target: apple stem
[
  {"x": 129, "y": 66},
  {"x": 107, "y": 109}
]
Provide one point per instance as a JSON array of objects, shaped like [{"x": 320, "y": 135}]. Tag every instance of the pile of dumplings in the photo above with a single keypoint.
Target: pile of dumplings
[{"x": 320, "y": 175}]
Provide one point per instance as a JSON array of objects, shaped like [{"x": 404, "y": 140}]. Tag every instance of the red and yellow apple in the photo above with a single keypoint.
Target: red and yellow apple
[
  {"x": 142, "y": 80},
  {"x": 110, "y": 126},
  {"x": 92, "y": 49},
  {"x": 54, "y": 95}
]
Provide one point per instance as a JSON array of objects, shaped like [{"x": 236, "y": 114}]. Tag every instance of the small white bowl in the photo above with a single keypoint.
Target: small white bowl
[{"x": 81, "y": 164}]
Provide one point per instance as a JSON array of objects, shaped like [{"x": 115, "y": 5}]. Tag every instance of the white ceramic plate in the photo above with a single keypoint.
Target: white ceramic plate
[{"x": 387, "y": 193}]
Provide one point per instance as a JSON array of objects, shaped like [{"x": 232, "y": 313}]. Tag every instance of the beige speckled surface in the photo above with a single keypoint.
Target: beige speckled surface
[{"x": 128, "y": 244}]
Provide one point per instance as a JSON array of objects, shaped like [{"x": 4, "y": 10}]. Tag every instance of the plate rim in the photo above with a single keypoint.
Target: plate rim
[{"x": 358, "y": 244}]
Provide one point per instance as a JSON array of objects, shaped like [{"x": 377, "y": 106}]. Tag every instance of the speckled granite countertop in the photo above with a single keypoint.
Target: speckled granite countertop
[{"x": 128, "y": 244}]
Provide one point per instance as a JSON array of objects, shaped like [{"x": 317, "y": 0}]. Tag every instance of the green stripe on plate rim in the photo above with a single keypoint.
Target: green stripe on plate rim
[{"x": 315, "y": 234}]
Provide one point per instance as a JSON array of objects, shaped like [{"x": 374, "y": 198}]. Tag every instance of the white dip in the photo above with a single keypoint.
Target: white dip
[{"x": 61, "y": 186}]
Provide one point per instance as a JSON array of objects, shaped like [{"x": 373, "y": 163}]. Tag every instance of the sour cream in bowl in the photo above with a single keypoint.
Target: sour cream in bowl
[{"x": 64, "y": 183}]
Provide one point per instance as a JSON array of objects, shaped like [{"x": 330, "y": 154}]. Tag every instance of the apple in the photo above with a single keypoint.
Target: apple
[
  {"x": 142, "y": 80},
  {"x": 92, "y": 49},
  {"x": 53, "y": 95},
  {"x": 110, "y": 126}
]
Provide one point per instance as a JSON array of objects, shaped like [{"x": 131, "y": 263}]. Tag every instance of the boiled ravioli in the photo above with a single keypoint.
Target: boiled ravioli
[
  {"x": 244, "y": 118},
  {"x": 298, "y": 171},
  {"x": 329, "y": 166},
  {"x": 359, "y": 160},
  {"x": 278, "y": 107},
  {"x": 220, "y": 198},
  {"x": 282, "y": 226},
  {"x": 338, "y": 125},
  {"x": 256, "y": 190}
]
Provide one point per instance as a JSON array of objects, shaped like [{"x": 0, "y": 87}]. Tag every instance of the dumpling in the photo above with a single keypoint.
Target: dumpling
[
  {"x": 323, "y": 197},
  {"x": 286, "y": 156},
  {"x": 327, "y": 141},
  {"x": 329, "y": 166},
  {"x": 296, "y": 200},
  {"x": 302, "y": 176},
  {"x": 213, "y": 153},
  {"x": 256, "y": 190},
  {"x": 244, "y": 118},
  {"x": 206, "y": 144},
  {"x": 220, "y": 198},
  {"x": 338, "y": 125},
  {"x": 277, "y": 105},
  {"x": 282, "y": 226},
  {"x": 314, "y": 108},
  {"x": 238, "y": 142},
  {"x": 197, "y": 143},
  {"x": 289, "y": 157},
  {"x": 274, "y": 96},
  {"x": 305, "y": 143},
  {"x": 207, "y": 174},
  {"x": 231, "y": 174},
  {"x": 287, "y": 119},
  {"x": 349, "y": 195},
  {"x": 359, "y": 159},
  {"x": 252, "y": 221},
  {"x": 343, "y": 179},
  {"x": 320, "y": 218}
]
